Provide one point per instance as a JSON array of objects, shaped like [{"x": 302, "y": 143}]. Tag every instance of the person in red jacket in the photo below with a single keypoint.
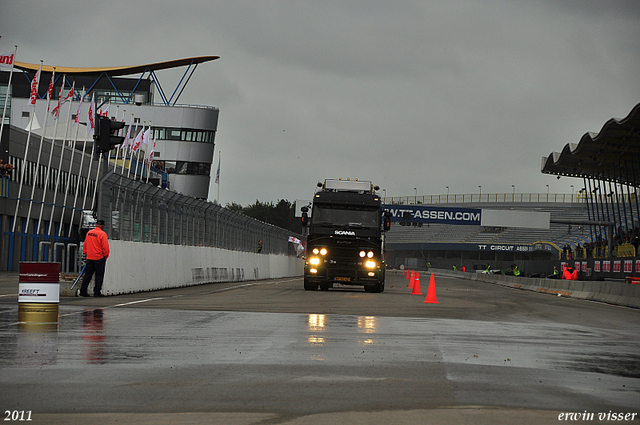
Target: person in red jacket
[
  {"x": 96, "y": 248},
  {"x": 570, "y": 273}
]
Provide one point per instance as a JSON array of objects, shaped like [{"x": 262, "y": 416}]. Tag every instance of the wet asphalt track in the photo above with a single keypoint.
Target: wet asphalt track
[{"x": 269, "y": 352}]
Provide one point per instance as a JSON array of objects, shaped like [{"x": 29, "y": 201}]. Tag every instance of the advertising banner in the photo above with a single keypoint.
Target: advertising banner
[
  {"x": 616, "y": 266},
  {"x": 434, "y": 214}
]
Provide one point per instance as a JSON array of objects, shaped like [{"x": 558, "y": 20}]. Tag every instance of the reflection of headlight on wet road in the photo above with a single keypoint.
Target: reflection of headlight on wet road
[
  {"x": 316, "y": 321},
  {"x": 368, "y": 323}
]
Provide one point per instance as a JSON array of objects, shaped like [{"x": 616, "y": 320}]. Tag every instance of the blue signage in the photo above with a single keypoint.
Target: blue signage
[{"x": 434, "y": 214}]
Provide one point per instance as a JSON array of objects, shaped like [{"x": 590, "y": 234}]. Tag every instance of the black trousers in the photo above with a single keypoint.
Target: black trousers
[{"x": 97, "y": 267}]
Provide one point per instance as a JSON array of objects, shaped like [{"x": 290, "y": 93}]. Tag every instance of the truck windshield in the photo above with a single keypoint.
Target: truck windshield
[{"x": 343, "y": 217}]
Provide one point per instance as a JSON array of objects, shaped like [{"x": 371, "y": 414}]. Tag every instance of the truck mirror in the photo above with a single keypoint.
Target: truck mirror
[
  {"x": 387, "y": 224},
  {"x": 305, "y": 219}
]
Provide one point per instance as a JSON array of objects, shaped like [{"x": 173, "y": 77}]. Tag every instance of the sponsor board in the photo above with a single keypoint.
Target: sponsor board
[
  {"x": 38, "y": 293},
  {"x": 431, "y": 214}
]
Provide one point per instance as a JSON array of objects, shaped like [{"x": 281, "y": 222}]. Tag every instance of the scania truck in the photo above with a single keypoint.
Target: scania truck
[{"x": 345, "y": 240}]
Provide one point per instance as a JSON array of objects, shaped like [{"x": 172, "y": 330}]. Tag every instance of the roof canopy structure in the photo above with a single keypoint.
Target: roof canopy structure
[
  {"x": 117, "y": 71},
  {"x": 110, "y": 72},
  {"x": 612, "y": 155}
]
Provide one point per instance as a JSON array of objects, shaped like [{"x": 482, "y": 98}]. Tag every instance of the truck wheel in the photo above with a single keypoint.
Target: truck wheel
[{"x": 310, "y": 286}]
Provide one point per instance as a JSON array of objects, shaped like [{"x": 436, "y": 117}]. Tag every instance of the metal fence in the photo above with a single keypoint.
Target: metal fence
[
  {"x": 486, "y": 197},
  {"x": 137, "y": 211}
]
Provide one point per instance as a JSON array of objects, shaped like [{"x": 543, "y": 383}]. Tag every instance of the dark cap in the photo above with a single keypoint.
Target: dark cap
[{"x": 100, "y": 222}]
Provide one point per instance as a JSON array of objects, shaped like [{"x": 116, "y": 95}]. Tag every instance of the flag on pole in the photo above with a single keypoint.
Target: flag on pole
[
  {"x": 145, "y": 136},
  {"x": 137, "y": 140},
  {"x": 153, "y": 150},
  {"x": 91, "y": 118},
  {"x": 50, "y": 91},
  {"x": 6, "y": 61},
  {"x": 218, "y": 172},
  {"x": 34, "y": 87},
  {"x": 104, "y": 111},
  {"x": 77, "y": 119},
  {"x": 127, "y": 137},
  {"x": 132, "y": 139},
  {"x": 56, "y": 111}
]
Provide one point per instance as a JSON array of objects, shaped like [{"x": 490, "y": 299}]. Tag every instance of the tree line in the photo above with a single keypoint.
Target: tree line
[{"x": 281, "y": 214}]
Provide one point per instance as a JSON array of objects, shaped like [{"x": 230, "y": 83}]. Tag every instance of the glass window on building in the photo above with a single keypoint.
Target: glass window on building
[
  {"x": 181, "y": 167},
  {"x": 173, "y": 134}
]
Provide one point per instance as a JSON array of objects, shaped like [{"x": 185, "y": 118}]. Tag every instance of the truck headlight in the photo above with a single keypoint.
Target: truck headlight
[
  {"x": 370, "y": 264},
  {"x": 314, "y": 261}
]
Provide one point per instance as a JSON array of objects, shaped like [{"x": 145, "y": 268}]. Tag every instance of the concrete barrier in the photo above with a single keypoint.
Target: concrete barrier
[
  {"x": 618, "y": 293},
  {"x": 138, "y": 267}
]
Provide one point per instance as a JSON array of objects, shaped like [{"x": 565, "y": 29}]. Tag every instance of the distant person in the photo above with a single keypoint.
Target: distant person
[
  {"x": 259, "y": 246},
  {"x": 570, "y": 273},
  {"x": 455, "y": 268},
  {"x": 96, "y": 248},
  {"x": 554, "y": 274},
  {"x": 516, "y": 270},
  {"x": 464, "y": 269},
  {"x": 513, "y": 271}
]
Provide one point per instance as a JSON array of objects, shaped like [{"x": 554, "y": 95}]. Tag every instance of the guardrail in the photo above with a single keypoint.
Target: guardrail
[{"x": 486, "y": 197}]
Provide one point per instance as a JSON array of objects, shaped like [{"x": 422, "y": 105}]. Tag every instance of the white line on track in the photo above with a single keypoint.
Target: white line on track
[{"x": 244, "y": 285}]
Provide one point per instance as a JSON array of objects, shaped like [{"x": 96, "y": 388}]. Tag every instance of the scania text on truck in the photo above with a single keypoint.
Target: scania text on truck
[{"x": 345, "y": 240}]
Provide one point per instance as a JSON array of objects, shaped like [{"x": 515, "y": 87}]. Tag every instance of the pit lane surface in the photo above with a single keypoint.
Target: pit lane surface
[{"x": 270, "y": 352}]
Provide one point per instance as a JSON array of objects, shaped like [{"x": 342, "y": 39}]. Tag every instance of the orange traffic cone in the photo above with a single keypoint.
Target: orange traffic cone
[
  {"x": 431, "y": 292},
  {"x": 403, "y": 272},
  {"x": 412, "y": 279},
  {"x": 416, "y": 285}
]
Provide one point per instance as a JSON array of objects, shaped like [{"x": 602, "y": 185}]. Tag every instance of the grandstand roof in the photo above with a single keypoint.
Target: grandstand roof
[
  {"x": 613, "y": 154},
  {"x": 117, "y": 70}
]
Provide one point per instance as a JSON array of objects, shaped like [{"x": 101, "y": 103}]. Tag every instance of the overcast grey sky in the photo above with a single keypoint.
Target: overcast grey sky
[{"x": 408, "y": 94}]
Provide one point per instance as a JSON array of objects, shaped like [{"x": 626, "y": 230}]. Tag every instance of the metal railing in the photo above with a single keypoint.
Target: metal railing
[
  {"x": 486, "y": 197},
  {"x": 136, "y": 211}
]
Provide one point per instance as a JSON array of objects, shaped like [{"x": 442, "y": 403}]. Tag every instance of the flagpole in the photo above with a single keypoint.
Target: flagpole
[
  {"x": 86, "y": 187},
  {"x": 34, "y": 84},
  {"x": 115, "y": 165},
  {"x": 64, "y": 143},
  {"x": 73, "y": 152},
  {"x": 53, "y": 143},
  {"x": 152, "y": 153},
  {"x": 138, "y": 149},
  {"x": 35, "y": 178},
  {"x": 135, "y": 130},
  {"x": 218, "y": 178},
  {"x": 6, "y": 98},
  {"x": 126, "y": 145},
  {"x": 95, "y": 186},
  {"x": 90, "y": 118},
  {"x": 149, "y": 142}
]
